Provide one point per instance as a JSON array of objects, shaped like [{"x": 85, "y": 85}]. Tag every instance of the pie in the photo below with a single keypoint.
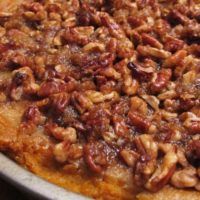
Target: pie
[{"x": 102, "y": 97}]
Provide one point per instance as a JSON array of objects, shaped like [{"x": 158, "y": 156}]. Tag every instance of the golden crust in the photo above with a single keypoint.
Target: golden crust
[{"x": 169, "y": 193}]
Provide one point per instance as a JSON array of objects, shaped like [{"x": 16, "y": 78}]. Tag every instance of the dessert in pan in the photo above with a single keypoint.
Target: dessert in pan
[{"x": 103, "y": 97}]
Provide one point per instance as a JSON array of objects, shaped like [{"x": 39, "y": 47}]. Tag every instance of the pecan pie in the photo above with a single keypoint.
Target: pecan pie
[{"x": 102, "y": 97}]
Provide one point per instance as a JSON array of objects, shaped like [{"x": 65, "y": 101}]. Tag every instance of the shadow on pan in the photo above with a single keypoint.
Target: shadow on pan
[{"x": 33, "y": 186}]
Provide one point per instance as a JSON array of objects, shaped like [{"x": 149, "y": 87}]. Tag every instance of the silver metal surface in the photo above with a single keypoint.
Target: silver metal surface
[{"x": 32, "y": 184}]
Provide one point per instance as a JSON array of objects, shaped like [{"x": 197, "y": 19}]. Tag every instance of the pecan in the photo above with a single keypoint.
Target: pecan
[
  {"x": 162, "y": 27},
  {"x": 75, "y": 151},
  {"x": 81, "y": 102},
  {"x": 165, "y": 171},
  {"x": 192, "y": 123},
  {"x": 31, "y": 118},
  {"x": 125, "y": 46},
  {"x": 110, "y": 72},
  {"x": 51, "y": 87},
  {"x": 98, "y": 97},
  {"x": 138, "y": 105},
  {"x": 67, "y": 152},
  {"x": 193, "y": 152},
  {"x": 135, "y": 37},
  {"x": 84, "y": 17},
  {"x": 87, "y": 15},
  {"x": 147, "y": 39},
  {"x": 120, "y": 127},
  {"x": 22, "y": 39},
  {"x": 97, "y": 120},
  {"x": 130, "y": 157},
  {"x": 152, "y": 101},
  {"x": 60, "y": 133},
  {"x": 109, "y": 136},
  {"x": 33, "y": 6},
  {"x": 165, "y": 133},
  {"x": 161, "y": 81},
  {"x": 2, "y": 97},
  {"x": 33, "y": 115},
  {"x": 59, "y": 102},
  {"x": 137, "y": 120},
  {"x": 140, "y": 72},
  {"x": 154, "y": 52},
  {"x": 19, "y": 60},
  {"x": 194, "y": 128},
  {"x": 53, "y": 7},
  {"x": 78, "y": 35},
  {"x": 114, "y": 29},
  {"x": 122, "y": 107},
  {"x": 185, "y": 178},
  {"x": 191, "y": 31},
  {"x": 173, "y": 44},
  {"x": 146, "y": 164},
  {"x": 95, "y": 157},
  {"x": 92, "y": 46},
  {"x": 182, "y": 160},
  {"x": 135, "y": 21},
  {"x": 60, "y": 151},
  {"x": 130, "y": 86},
  {"x": 176, "y": 17},
  {"x": 105, "y": 60},
  {"x": 112, "y": 45},
  {"x": 23, "y": 83},
  {"x": 175, "y": 59},
  {"x": 186, "y": 104}
]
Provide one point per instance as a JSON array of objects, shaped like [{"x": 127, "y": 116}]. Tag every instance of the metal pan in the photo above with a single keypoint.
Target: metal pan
[{"x": 32, "y": 184}]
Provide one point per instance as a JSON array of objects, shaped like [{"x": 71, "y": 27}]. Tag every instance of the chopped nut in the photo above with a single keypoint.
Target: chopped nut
[{"x": 185, "y": 178}]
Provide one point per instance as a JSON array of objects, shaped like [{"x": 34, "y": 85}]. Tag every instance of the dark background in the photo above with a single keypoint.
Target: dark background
[{"x": 8, "y": 192}]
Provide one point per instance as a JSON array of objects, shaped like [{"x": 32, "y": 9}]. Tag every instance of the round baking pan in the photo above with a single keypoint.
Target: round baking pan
[{"x": 32, "y": 185}]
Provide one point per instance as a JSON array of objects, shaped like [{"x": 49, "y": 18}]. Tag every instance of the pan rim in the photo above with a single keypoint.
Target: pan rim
[{"x": 32, "y": 184}]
